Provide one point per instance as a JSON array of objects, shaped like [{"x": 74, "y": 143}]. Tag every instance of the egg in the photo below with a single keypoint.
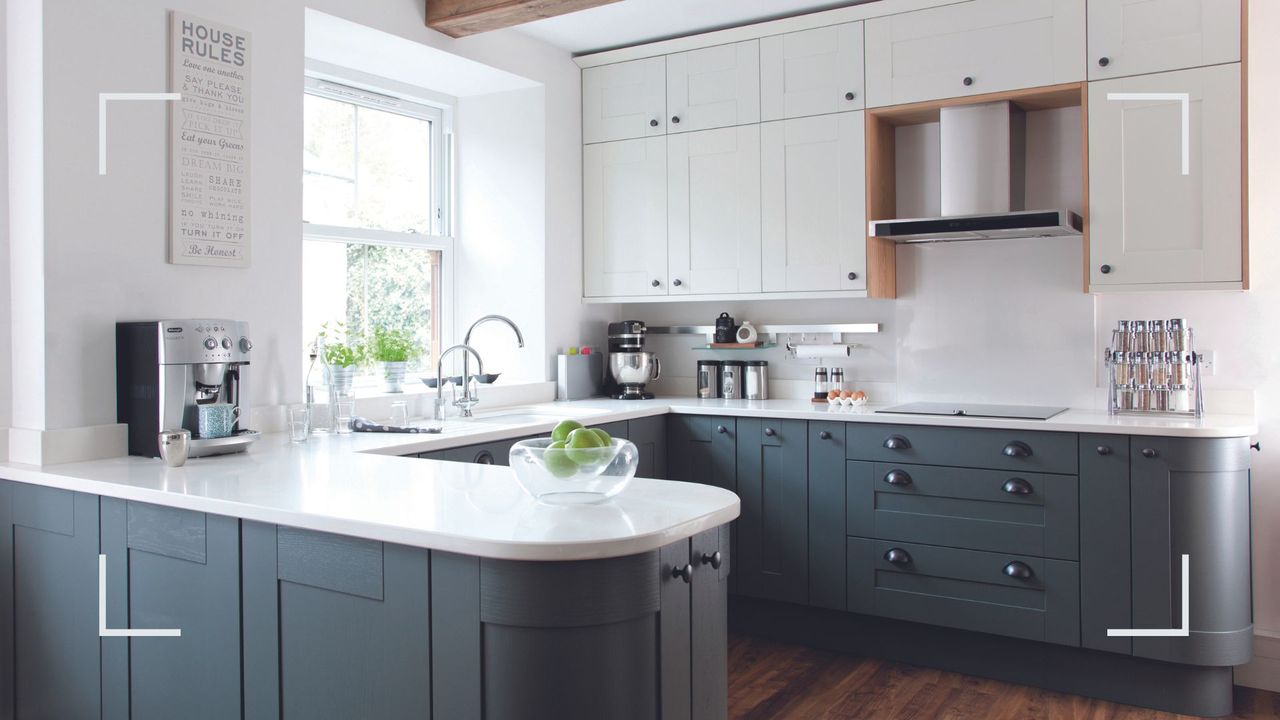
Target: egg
[
  {"x": 845, "y": 394},
  {"x": 859, "y": 395},
  {"x": 833, "y": 394}
]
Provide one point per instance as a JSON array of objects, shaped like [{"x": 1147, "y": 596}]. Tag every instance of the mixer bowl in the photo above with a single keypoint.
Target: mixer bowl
[{"x": 634, "y": 368}]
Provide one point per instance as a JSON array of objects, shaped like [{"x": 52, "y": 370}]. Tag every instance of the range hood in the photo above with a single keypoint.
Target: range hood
[{"x": 983, "y": 178}]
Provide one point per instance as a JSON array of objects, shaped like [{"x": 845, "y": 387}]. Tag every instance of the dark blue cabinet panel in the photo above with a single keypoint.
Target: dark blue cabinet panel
[
  {"x": 827, "y": 515},
  {"x": 1105, "y": 565},
  {"x": 50, "y": 555},
  {"x": 176, "y": 569},
  {"x": 675, "y": 630},
  {"x": 703, "y": 449},
  {"x": 1017, "y": 450},
  {"x": 773, "y": 534},
  {"x": 650, "y": 438}
]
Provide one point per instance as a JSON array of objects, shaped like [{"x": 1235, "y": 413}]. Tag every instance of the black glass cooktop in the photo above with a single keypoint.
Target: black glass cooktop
[{"x": 1016, "y": 412}]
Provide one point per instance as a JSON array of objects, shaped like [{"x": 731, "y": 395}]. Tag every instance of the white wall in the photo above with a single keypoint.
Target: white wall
[
  {"x": 6, "y": 380},
  {"x": 104, "y": 237}
]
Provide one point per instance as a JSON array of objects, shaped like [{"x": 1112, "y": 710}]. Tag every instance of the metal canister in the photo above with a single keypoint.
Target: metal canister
[
  {"x": 731, "y": 379},
  {"x": 1139, "y": 328},
  {"x": 1179, "y": 367},
  {"x": 1179, "y": 335},
  {"x": 755, "y": 380},
  {"x": 1122, "y": 337},
  {"x": 821, "y": 383},
  {"x": 837, "y": 379},
  {"x": 1157, "y": 338},
  {"x": 1140, "y": 369},
  {"x": 1159, "y": 369},
  {"x": 709, "y": 379},
  {"x": 1121, "y": 369}
]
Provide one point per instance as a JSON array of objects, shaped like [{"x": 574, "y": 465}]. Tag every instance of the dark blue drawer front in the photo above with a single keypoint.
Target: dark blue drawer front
[
  {"x": 997, "y": 510},
  {"x": 1015, "y": 450},
  {"x": 966, "y": 589}
]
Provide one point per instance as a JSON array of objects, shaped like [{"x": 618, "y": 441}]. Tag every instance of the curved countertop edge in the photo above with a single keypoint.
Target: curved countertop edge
[{"x": 489, "y": 548}]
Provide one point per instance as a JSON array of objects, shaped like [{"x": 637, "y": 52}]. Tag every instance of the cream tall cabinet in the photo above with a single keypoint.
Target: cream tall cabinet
[
  {"x": 1133, "y": 37},
  {"x": 1153, "y": 220},
  {"x": 812, "y": 72},
  {"x": 814, "y": 218},
  {"x": 714, "y": 87},
  {"x": 624, "y": 233},
  {"x": 624, "y": 100}
]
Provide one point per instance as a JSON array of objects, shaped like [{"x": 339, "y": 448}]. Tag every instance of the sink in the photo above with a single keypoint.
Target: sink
[{"x": 531, "y": 415}]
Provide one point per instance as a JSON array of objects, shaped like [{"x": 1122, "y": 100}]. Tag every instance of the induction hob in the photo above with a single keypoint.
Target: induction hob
[{"x": 1015, "y": 412}]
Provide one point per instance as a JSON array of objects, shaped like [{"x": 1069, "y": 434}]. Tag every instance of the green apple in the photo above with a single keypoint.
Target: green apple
[
  {"x": 584, "y": 447},
  {"x": 558, "y": 462},
  {"x": 561, "y": 431},
  {"x": 604, "y": 436}
]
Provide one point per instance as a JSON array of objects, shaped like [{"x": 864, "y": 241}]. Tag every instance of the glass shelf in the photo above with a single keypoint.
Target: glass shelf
[{"x": 761, "y": 346}]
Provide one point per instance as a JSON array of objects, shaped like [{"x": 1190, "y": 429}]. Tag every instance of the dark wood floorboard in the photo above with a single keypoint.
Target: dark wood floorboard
[{"x": 770, "y": 680}]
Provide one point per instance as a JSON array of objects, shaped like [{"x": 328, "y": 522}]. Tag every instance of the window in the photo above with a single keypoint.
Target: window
[{"x": 374, "y": 197}]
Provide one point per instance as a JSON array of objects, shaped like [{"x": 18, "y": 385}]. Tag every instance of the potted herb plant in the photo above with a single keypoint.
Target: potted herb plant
[
  {"x": 341, "y": 357},
  {"x": 394, "y": 349}
]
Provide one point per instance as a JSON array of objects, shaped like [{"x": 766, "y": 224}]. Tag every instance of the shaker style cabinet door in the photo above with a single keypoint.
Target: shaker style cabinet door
[
  {"x": 811, "y": 72},
  {"x": 713, "y": 205},
  {"x": 973, "y": 48},
  {"x": 624, "y": 100},
  {"x": 714, "y": 87},
  {"x": 625, "y": 218},
  {"x": 1135, "y": 37},
  {"x": 772, "y": 552},
  {"x": 1153, "y": 219},
  {"x": 813, "y": 204}
]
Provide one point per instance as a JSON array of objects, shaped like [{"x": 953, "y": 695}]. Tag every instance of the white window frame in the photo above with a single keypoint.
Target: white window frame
[{"x": 354, "y": 87}]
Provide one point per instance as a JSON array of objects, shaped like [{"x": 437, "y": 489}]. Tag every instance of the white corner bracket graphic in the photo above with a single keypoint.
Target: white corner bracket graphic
[
  {"x": 1185, "y": 99},
  {"x": 102, "y": 118},
  {"x": 1182, "y": 631},
  {"x": 103, "y": 630}
]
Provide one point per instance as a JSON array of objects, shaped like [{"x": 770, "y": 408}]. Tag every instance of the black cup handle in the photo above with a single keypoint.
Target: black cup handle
[
  {"x": 899, "y": 478},
  {"x": 1017, "y": 449},
  {"x": 1018, "y": 570},
  {"x": 897, "y": 442},
  {"x": 898, "y": 556},
  {"x": 1017, "y": 486}
]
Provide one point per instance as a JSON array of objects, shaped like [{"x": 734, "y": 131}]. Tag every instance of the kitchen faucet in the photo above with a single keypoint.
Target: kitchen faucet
[
  {"x": 466, "y": 402},
  {"x": 467, "y": 397}
]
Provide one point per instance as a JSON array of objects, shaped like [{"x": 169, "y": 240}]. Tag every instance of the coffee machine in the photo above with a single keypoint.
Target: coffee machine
[
  {"x": 630, "y": 366},
  {"x": 167, "y": 369}
]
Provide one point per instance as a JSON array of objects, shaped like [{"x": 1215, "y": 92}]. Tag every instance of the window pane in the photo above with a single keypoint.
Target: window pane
[
  {"x": 368, "y": 286},
  {"x": 365, "y": 167}
]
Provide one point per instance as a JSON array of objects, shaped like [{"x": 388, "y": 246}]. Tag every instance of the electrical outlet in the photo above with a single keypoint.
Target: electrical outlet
[{"x": 1208, "y": 360}]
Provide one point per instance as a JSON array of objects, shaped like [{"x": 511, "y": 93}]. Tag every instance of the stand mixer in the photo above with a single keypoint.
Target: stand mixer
[{"x": 630, "y": 366}]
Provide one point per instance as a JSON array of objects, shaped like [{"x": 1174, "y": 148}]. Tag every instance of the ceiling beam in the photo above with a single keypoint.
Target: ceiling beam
[{"x": 460, "y": 18}]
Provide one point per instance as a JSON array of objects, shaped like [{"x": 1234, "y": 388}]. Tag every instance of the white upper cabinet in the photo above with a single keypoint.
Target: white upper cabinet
[
  {"x": 624, "y": 100},
  {"x": 713, "y": 206},
  {"x": 1152, "y": 219},
  {"x": 972, "y": 48},
  {"x": 811, "y": 72},
  {"x": 714, "y": 87},
  {"x": 1134, "y": 37},
  {"x": 813, "y": 202},
  {"x": 624, "y": 232}
]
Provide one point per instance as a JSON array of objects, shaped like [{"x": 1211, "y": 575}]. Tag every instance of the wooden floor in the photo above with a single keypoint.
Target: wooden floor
[{"x": 773, "y": 680}]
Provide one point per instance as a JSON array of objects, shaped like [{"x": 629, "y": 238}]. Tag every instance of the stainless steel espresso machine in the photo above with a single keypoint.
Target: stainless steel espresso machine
[
  {"x": 167, "y": 369},
  {"x": 630, "y": 366}
]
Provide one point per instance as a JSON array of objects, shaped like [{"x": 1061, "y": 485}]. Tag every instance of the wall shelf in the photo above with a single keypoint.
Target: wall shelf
[{"x": 835, "y": 329}]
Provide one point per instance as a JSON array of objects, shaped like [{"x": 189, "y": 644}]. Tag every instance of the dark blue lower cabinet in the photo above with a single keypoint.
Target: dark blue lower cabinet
[
  {"x": 772, "y": 550},
  {"x": 650, "y": 438},
  {"x": 50, "y": 666},
  {"x": 171, "y": 568},
  {"x": 352, "y": 626},
  {"x": 827, "y": 503}
]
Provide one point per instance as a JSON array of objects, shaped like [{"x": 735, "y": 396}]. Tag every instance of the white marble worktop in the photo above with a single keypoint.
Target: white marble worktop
[{"x": 358, "y": 485}]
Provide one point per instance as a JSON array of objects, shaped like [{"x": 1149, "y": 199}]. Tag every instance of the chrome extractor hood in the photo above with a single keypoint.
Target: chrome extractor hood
[{"x": 983, "y": 150}]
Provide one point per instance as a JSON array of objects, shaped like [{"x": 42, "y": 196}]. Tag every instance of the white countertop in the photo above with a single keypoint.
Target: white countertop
[{"x": 356, "y": 485}]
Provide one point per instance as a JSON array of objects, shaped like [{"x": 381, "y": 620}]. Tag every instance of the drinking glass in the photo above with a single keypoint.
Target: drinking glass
[
  {"x": 299, "y": 423},
  {"x": 399, "y": 414},
  {"x": 342, "y": 412}
]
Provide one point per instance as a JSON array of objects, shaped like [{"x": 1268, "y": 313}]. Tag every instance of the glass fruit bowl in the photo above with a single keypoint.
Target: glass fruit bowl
[{"x": 572, "y": 476}]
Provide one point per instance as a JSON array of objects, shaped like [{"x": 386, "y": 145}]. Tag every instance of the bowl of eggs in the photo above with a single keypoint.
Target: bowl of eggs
[{"x": 847, "y": 398}]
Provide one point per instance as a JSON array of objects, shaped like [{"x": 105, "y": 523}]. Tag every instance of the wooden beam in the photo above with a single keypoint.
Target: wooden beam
[{"x": 460, "y": 18}]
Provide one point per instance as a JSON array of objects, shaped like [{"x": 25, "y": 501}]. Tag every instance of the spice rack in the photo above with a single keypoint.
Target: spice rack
[{"x": 1153, "y": 368}]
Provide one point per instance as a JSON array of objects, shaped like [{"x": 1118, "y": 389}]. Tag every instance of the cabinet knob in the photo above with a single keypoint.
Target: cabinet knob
[
  {"x": 684, "y": 572},
  {"x": 1256, "y": 446},
  {"x": 1017, "y": 449},
  {"x": 898, "y": 477},
  {"x": 484, "y": 457},
  {"x": 897, "y": 442},
  {"x": 1104, "y": 450},
  {"x": 1018, "y": 570},
  {"x": 770, "y": 432},
  {"x": 824, "y": 435},
  {"x": 1104, "y": 61},
  {"x": 1149, "y": 453},
  {"x": 722, "y": 429},
  {"x": 1017, "y": 486},
  {"x": 675, "y": 119},
  {"x": 853, "y": 276},
  {"x": 898, "y": 556},
  {"x": 715, "y": 560},
  {"x": 850, "y": 95},
  {"x": 653, "y": 123},
  {"x": 656, "y": 283},
  {"x": 1105, "y": 269},
  {"x": 967, "y": 81},
  {"x": 677, "y": 282}
]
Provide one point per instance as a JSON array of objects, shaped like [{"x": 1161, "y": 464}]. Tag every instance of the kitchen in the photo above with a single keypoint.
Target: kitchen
[{"x": 620, "y": 179}]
